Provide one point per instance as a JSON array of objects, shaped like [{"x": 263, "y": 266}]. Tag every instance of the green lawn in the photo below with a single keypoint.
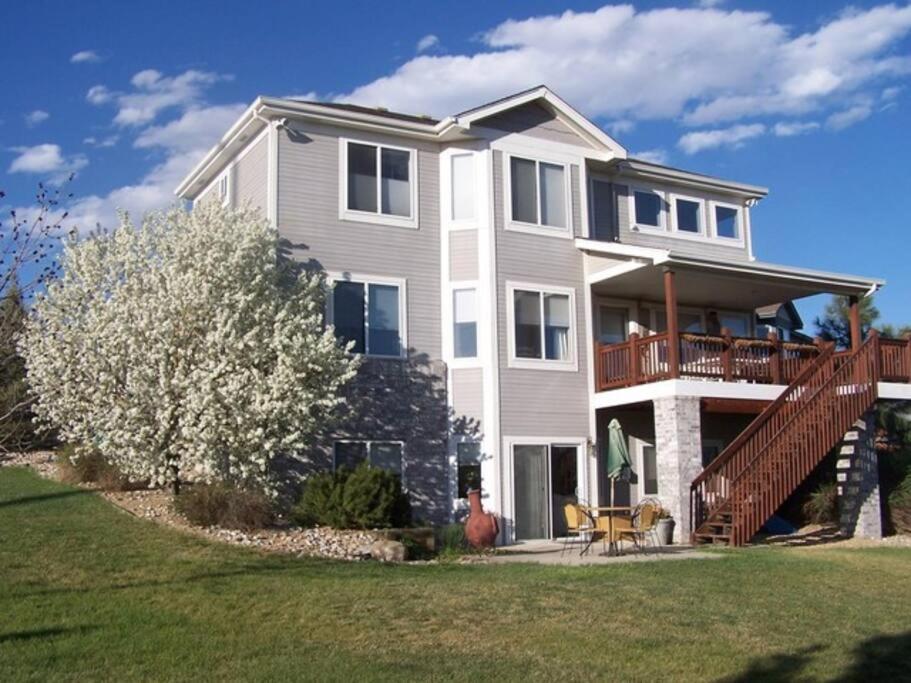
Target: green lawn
[{"x": 88, "y": 592}]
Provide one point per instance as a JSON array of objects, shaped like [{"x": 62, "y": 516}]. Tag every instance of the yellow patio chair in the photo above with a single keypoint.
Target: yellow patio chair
[
  {"x": 643, "y": 525},
  {"x": 578, "y": 522}
]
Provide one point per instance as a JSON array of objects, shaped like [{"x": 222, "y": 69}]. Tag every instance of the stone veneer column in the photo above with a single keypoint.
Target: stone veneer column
[
  {"x": 859, "y": 507},
  {"x": 678, "y": 447}
]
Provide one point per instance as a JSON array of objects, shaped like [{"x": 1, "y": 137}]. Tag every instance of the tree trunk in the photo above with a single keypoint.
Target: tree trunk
[{"x": 176, "y": 483}]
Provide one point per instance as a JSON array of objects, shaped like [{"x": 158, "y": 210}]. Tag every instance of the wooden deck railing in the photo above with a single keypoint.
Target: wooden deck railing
[{"x": 755, "y": 474}]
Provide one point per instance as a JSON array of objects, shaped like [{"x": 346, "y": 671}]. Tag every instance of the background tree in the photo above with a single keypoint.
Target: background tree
[
  {"x": 27, "y": 245},
  {"x": 185, "y": 349},
  {"x": 835, "y": 323}
]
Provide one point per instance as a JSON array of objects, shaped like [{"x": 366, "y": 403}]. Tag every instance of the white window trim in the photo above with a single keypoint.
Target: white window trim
[
  {"x": 538, "y": 228},
  {"x": 377, "y": 217},
  {"x": 449, "y": 325},
  {"x": 366, "y": 280},
  {"x": 632, "y": 317},
  {"x": 641, "y": 445},
  {"x": 741, "y": 227},
  {"x": 662, "y": 215},
  {"x": 448, "y": 197},
  {"x": 569, "y": 365},
  {"x": 703, "y": 234},
  {"x": 455, "y": 441},
  {"x": 226, "y": 177},
  {"x": 369, "y": 442}
]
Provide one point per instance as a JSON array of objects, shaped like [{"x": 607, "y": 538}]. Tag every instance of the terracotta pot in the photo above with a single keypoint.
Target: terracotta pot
[{"x": 481, "y": 527}]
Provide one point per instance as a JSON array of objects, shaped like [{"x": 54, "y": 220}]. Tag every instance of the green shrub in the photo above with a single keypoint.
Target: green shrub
[
  {"x": 220, "y": 505},
  {"x": 78, "y": 466},
  {"x": 452, "y": 538},
  {"x": 364, "y": 498},
  {"x": 900, "y": 506},
  {"x": 822, "y": 505}
]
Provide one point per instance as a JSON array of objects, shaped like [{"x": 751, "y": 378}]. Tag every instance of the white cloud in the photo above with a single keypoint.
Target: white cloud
[
  {"x": 733, "y": 137},
  {"x": 786, "y": 129},
  {"x": 892, "y": 93},
  {"x": 848, "y": 117},
  {"x": 708, "y": 4},
  {"x": 656, "y": 156},
  {"x": 34, "y": 118},
  {"x": 620, "y": 127},
  {"x": 701, "y": 66},
  {"x": 153, "y": 93},
  {"x": 182, "y": 142},
  {"x": 85, "y": 57},
  {"x": 428, "y": 42},
  {"x": 108, "y": 141},
  {"x": 47, "y": 159}
]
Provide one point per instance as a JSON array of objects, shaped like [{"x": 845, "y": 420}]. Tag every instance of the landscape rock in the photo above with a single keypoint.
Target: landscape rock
[{"x": 387, "y": 551}]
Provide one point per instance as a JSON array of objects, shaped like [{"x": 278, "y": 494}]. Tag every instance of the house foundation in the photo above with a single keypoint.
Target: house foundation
[
  {"x": 859, "y": 504},
  {"x": 678, "y": 446}
]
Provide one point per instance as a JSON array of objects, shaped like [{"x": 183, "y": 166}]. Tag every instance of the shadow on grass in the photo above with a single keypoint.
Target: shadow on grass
[
  {"x": 878, "y": 658},
  {"x": 34, "y": 634},
  {"x": 27, "y": 500}
]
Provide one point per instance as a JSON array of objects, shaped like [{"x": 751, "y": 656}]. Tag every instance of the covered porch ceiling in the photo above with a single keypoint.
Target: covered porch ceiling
[{"x": 736, "y": 286}]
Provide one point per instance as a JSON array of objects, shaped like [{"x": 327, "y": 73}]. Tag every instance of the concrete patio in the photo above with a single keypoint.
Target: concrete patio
[{"x": 551, "y": 553}]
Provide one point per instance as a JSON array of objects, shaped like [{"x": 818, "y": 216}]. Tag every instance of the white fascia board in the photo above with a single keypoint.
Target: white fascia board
[
  {"x": 656, "y": 256},
  {"x": 248, "y": 118},
  {"x": 588, "y": 130},
  {"x": 647, "y": 169},
  {"x": 686, "y": 387},
  {"x": 862, "y": 285},
  {"x": 894, "y": 391}
]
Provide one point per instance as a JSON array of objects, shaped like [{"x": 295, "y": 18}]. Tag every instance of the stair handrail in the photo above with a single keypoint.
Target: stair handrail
[
  {"x": 874, "y": 379},
  {"x": 763, "y": 417}
]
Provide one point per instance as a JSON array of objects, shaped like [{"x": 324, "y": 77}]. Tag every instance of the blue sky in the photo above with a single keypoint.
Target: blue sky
[{"x": 810, "y": 99}]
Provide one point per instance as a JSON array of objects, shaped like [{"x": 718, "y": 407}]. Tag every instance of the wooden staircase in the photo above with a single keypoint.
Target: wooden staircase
[{"x": 744, "y": 486}]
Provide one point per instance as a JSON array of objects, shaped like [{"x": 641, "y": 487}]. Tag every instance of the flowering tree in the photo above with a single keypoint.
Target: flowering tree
[{"x": 185, "y": 349}]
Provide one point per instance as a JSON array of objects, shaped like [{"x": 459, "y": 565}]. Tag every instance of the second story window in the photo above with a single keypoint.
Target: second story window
[
  {"x": 224, "y": 189},
  {"x": 688, "y": 215},
  {"x": 539, "y": 193},
  {"x": 542, "y": 327},
  {"x": 370, "y": 315},
  {"x": 378, "y": 183},
  {"x": 463, "y": 190}
]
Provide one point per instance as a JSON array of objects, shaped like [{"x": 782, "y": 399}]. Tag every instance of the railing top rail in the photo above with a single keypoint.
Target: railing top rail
[{"x": 764, "y": 416}]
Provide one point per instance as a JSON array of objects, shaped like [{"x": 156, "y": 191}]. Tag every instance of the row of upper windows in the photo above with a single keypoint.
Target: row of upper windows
[
  {"x": 371, "y": 314},
  {"x": 379, "y": 185}
]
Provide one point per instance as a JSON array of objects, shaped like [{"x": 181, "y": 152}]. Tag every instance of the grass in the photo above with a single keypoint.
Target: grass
[{"x": 88, "y": 592}]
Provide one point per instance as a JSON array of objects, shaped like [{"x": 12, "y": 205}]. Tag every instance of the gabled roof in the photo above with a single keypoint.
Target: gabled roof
[{"x": 551, "y": 101}]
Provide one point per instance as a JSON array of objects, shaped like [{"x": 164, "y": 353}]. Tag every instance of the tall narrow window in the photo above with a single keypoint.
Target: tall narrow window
[
  {"x": 468, "y": 454},
  {"x": 465, "y": 323},
  {"x": 542, "y": 325},
  {"x": 370, "y": 315},
  {"x": 649, "y": 470},
  {"x": 463, "y": 192},
  {"x": 379, "y": 180},
  {"x": 727, "y": 222},
  {"x": 602, "y": 200},
  {"x": 538, "y": 192}
]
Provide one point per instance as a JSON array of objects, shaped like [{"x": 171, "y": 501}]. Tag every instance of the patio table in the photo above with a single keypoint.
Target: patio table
[{"x": 610, "y": 510}]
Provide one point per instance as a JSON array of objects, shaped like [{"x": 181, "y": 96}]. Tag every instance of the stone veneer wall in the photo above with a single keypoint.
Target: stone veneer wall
[
  {"x": 678, "y": 447},
  {"x": 859, "y": 505}
]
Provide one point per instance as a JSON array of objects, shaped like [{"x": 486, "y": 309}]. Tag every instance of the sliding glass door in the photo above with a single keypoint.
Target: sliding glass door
[{"x": 545, "y": 479}]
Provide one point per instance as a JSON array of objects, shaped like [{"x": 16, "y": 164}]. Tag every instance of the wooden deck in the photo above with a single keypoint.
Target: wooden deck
[{"x": 641, "y": 360}]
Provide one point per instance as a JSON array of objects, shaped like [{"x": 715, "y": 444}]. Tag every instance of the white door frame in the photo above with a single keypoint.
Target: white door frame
[{"x": 582, "y": 477}]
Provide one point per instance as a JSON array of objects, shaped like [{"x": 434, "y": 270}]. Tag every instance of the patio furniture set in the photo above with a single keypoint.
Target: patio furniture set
[{"x": 612, "y": 525}]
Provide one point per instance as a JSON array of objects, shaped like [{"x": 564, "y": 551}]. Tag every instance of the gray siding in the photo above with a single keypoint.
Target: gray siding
[
  {"x": 463, "y": 255},
  {"x": 308, "y": 216},
  {"x": 535, "y": 121},
  {"x": 251, "y": 175},
  {"x": 467, "y": 395},
  {"x": 679, "y": 246},
  {"x": 539, "y": 402},
  {"x": 390, "y": 399}
]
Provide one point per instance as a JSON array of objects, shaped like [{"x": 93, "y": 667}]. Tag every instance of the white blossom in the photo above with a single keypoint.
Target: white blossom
[{"x": 186, "y": 348}]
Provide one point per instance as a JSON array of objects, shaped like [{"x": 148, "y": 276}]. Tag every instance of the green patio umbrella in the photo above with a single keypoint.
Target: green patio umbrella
[{"x": 617, "y": 463}]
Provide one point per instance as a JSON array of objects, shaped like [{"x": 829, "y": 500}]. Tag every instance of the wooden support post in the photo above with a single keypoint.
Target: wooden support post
[
  {"x": 727, "y": 355},
  {"x": 634, "y": 367},
  {"x": 877, "y": 356},
  {"x": 908, "y": 356},
  {"x": 598, "y": 371},
  {"x": 775, "y": 357},
  {"x": 673, "y": 330},
  {"x": 856, "y": 339}
]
